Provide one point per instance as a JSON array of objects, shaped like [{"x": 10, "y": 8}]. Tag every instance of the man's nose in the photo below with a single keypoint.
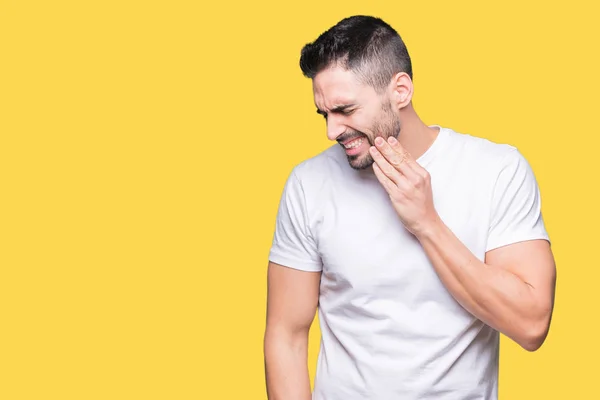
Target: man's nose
[{"x": 334, "y": 127}]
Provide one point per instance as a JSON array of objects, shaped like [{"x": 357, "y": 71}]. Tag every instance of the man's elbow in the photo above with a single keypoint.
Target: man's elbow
[
  {"x": 534, "y": 334},
  {"x": 532, "y": 344}
]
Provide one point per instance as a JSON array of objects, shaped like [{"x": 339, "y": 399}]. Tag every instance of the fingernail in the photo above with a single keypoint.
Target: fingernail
[
  {"x": 379, "y": 141},
  {"x": 392, "y": 140}
]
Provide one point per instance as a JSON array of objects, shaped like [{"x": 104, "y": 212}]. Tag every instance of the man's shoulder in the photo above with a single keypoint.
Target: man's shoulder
[
  {"x": 482, "y": 146},
  {"x": 483, "y": 152},
  {"x": 321, "y": 165}
]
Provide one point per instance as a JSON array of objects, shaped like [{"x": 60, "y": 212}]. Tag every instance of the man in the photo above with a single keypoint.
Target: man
[{"x": 418, "y": 244}]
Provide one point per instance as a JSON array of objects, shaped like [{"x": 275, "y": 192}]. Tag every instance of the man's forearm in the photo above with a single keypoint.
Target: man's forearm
[
  {"x": 286, "y": 366},
  {"x": 494, "y": 295}
]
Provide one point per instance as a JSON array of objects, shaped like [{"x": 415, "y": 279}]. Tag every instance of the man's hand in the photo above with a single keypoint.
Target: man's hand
[{"x": 407, "y": 183}]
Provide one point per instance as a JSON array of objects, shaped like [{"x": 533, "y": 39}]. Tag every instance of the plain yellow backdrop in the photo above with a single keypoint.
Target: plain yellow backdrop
[{"x": 144, "y": 146}]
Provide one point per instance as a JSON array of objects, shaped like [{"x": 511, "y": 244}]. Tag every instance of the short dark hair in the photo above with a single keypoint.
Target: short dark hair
[{"x": 366, "y": 45}]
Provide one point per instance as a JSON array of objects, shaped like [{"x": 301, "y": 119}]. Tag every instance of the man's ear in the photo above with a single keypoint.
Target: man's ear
[{"x": 401, "y": 88}]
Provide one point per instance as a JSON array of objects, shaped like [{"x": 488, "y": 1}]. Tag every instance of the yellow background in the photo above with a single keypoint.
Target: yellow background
[{"x": 144, "y": 146}]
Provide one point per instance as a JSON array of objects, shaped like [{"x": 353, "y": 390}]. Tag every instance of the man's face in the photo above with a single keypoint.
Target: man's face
[{"x": 354, "y": 112}]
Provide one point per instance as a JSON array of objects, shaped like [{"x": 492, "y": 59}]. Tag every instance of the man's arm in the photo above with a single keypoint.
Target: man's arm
[
  {"x": 292, "y": 299},
  {"x": 512, "y": 291}
]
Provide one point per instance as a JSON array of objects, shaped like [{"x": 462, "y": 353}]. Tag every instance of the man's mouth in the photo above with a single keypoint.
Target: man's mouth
[{"x": 354, "y": 143}]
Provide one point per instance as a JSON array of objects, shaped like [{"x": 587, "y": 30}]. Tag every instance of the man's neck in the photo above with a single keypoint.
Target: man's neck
[{"x": 415, "y": 136}]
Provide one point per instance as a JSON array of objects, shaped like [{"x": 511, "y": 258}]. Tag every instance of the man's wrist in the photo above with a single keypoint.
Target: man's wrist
[{"x": 431, "y": 230}]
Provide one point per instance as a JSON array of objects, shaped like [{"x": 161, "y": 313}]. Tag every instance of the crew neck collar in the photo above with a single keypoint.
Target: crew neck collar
[{"x": 437, "y": 145}]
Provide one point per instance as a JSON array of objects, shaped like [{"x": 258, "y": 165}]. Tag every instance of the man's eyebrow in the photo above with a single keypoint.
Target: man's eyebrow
[{"x": 340, "y": 108}]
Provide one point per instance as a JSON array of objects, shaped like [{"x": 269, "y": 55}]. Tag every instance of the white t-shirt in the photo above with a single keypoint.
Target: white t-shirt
[{"x": 390, "y": 329}]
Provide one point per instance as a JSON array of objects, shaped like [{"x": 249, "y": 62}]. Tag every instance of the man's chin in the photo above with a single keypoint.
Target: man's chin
[{"x": 360, "y": 162}]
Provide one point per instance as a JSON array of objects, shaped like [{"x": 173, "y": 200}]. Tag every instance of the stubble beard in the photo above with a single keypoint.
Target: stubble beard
[{"x": 390, "y": 126}]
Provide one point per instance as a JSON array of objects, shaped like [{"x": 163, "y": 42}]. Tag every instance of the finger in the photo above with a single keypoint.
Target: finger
[
  {"x": 397, "y": 155},
  {"x": 410, "y": 168},
  {"x": 388, "y": 169},
  {"x": 386, "y": 182},
  {"x": 391, "y": 155}
]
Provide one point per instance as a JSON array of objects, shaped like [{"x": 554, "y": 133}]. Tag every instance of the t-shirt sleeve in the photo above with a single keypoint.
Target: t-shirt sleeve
[
  {"x": 293, "y": 244},
  {"x": 516, "y": 204}
]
